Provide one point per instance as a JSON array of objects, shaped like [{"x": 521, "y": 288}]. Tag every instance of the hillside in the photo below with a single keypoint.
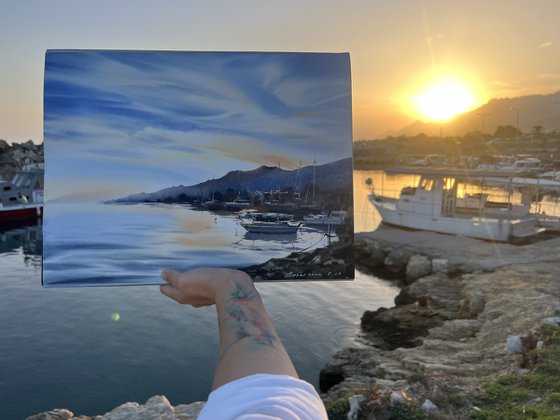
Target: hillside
[
  {"x": 329, "y": 177},
  {"x": 533, "y": 110}
]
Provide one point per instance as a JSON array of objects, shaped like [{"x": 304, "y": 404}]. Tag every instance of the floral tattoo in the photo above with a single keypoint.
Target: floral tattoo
[{"x": 249, "y": 322}]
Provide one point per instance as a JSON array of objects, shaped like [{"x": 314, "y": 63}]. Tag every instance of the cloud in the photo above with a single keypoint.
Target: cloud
[
  {"x": 546, "y": 44},
  {"x": 189, "y": 117}
]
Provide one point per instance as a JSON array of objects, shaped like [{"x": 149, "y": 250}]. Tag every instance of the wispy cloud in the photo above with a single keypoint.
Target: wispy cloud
[
  {"x": 193, "y": 116},
  {"x": 546, "y": 44}
]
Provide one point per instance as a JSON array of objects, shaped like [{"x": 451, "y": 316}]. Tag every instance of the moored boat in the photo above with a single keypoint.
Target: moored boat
[
  {"x": 438, "y": 204},
  {"x": 337, "y": 217},
  {"x": 21, "y": 199},
  {"x": 270, "y": 223}
]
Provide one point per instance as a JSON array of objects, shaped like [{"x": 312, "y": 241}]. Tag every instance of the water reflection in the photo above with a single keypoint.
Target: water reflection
[{"x": 29, "y": 239}]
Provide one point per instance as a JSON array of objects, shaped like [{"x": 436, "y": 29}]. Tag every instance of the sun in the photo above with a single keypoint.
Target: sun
[{"x": 444, "y": 100}]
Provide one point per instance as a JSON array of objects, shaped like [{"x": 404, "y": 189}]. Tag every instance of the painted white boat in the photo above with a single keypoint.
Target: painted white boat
[
  {"x": 270, "y": 223},
  {"x": 435, "y": 205},
  {"x": 334, "y": 218}
]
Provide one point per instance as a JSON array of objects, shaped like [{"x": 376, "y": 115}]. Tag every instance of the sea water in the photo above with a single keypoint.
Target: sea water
[
  {"x": 92, "y": 243},
  {"x": 92, "y": 349}
]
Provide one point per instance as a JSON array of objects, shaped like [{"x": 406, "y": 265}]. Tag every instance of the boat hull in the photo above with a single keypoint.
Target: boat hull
[
  {"x": 272, "y": 228},
  {"x": 18, "y": 213},
  {"x": 493, "y": 229}
]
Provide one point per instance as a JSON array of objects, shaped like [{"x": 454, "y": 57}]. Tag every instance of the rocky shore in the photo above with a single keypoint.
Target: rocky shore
[
  {"x": 12, "y": 157},
  {"x": 468, "y": 311}
]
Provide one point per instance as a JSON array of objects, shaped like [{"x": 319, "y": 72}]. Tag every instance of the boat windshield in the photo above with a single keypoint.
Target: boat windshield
[
  {"x": 427, "y": 184},
  {"x": 448, "y": 183},
  {"x": 22, "y": 180}
]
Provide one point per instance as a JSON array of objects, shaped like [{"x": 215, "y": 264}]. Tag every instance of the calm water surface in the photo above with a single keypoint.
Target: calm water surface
[{"x": 95, "y": 348}]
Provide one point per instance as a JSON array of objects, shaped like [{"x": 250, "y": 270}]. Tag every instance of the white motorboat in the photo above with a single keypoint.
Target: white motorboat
[
  {"x": 437, "y": 204},
  {"x": 21, "y": 199}
]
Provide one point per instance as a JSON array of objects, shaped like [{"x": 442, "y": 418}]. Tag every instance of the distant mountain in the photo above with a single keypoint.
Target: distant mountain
[
  {"x": 329, "y": 177},
  {"x": 534, "y": 110}
]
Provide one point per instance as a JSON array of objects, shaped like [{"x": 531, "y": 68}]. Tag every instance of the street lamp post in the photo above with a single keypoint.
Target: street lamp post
[
  {"x": 483, "y": 116},
  {"x": 517, "y": 124}
]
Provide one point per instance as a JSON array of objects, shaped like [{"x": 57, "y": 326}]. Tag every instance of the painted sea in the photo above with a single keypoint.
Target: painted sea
[{"x": 92, "y": 349}]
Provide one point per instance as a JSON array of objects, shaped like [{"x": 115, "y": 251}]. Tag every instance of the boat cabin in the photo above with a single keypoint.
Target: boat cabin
[
  {"x": 437, "y": 195},
  {"x": 25, "y": 187}
]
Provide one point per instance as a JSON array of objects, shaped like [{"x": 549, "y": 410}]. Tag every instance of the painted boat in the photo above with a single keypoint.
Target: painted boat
[
  {"x": 435, "y": 205},
  {"x": 270, "y": 223},
  {"x": 337, "y": 217}
]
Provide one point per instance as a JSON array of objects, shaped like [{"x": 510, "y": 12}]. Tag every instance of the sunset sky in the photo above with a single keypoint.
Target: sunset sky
[
  {"x": 121, "y": 122},
  {"x": 398, "y": 48}
]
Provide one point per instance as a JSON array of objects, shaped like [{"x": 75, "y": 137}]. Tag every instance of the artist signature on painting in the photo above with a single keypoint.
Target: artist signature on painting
[{"x": 299, "y": 275}]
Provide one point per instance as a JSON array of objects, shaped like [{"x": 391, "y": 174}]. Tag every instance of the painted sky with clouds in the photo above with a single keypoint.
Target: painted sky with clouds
[{"x": 119, "y": 122}]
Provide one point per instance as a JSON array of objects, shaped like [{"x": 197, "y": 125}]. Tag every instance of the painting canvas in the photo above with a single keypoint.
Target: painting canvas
[{"x": 182, "y": 159}]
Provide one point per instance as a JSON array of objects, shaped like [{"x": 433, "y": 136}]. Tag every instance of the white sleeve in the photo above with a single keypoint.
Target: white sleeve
[{"x": 264, "y": 396}]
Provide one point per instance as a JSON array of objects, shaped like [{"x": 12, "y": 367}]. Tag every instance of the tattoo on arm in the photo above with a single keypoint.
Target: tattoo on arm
[{"x": 249, "y": 322}]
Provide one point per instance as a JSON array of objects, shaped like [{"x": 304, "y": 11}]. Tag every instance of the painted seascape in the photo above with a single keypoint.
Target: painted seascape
[{"x": 175, "y": 159}]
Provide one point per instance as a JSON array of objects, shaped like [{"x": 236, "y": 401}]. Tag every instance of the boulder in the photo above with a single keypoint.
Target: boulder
[
  {"x": 397, "y": 260},
  {"x": 514, "y": 344},
  {"x": 189, "y": 411},
  {"x": 355, "y": 402},
  {"x": 472, "y": 303},
  {"x": 418, "y": 266},
  {"x": 552, "y": 320},
  {"x": 456, "y": 329},
  {"x": 56, "y": 414},
  {"x": 429, "y": 407},
  {"x": 157, "y": 407},
  {"x": 4, "y": 146},
  {"x": 440, "y": 265},
  {"x": 330, "y": 375}
]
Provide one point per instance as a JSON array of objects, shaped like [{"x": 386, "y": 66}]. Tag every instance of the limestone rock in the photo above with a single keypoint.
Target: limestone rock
[
  {"x": 440, "y": 265},
  {"x": 4, "y": 146},
  {"x": 472, "y": 303},
  {"x": 444, "y": 293},
  {"x": 56, "y": 414},
  {"x": 396, "y": 398},
  {"x": 429, "y": 407},
  {"x": 397, "y": 260},
  {"x": 189, "y": 411},
  {"x": 456, "y": 329},
  {"x": 418, "y": 266},
  {"x": 157, "y": 407},
  {"x": 355, "y": 402},
  {"x": 552, "y": 320},
  {"x": 514, "y": 344}
]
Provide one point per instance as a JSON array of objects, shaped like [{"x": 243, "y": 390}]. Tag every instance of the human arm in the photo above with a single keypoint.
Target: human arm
[{"x": 248, "y": 341}]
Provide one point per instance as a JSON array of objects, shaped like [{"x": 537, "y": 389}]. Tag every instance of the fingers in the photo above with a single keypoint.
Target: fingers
[{"x": 171, "y": 276}]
